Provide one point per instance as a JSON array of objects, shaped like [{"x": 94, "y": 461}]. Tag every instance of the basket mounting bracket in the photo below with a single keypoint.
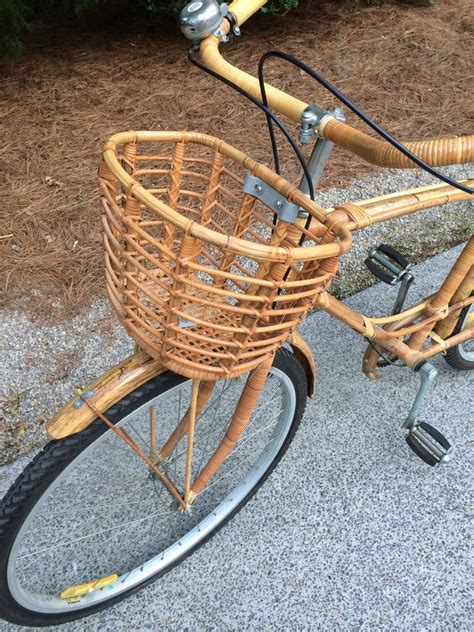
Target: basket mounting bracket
[{"x": 259, "y": 189}]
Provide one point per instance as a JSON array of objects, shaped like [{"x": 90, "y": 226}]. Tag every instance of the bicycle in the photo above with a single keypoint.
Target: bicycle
[{"x": 212, "y": 260}]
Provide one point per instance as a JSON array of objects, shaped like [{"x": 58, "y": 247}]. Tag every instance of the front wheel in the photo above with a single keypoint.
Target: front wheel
[{"x": 88, "y": 513}]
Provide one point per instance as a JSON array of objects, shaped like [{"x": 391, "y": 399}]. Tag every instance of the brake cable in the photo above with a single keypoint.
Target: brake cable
[
  {"x": 270, "y": 115},
  {"x": 354, "y": 108}
]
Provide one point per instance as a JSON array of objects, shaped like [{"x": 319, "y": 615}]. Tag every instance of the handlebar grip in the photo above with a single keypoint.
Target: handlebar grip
[{"x": 242, "y": 10}]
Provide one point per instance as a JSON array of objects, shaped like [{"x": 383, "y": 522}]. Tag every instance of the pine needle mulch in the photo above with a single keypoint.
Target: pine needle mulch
[{"x": 406, "y": 64}]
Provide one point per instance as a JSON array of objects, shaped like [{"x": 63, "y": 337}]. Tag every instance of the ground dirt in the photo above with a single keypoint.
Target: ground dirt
[{"x": 405, "y": 63}]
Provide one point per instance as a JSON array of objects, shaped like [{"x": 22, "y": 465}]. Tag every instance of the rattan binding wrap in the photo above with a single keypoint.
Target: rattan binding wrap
[{"x": 197, "y": 272}]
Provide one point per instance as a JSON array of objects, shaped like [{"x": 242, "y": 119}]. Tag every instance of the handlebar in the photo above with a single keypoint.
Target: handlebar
[
  {"x": 242, "y": 10},
  {"x": 439, "y": 152}
]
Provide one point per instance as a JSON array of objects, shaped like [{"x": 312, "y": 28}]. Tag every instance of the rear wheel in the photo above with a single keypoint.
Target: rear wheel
[
  {"x": 87, "y": 508},
  {"x": 462, "y": 356}
]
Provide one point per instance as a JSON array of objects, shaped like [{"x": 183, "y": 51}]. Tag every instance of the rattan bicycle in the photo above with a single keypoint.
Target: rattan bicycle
[{"x": 212, "y": 260}]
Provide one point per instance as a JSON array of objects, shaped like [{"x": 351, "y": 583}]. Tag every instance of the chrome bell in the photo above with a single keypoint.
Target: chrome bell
[{"x": 201, "y": 18}]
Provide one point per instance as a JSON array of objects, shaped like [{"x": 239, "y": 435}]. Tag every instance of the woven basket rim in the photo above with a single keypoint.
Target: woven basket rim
[{"x": 235, "y": 244}]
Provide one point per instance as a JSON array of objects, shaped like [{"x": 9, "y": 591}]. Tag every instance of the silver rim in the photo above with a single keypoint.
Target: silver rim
[
  {"x": 106, "y": 514},
  {"x": 466, "y": 349}
]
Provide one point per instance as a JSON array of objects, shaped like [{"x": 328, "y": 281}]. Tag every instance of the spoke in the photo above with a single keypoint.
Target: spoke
[
  {"x": 243, "y": 441},
  {"x": 237, "y": 449},
  {"x": 118, "y": 444},
  {"x": 108, "y": 513},
  {"x": 254, "y": 434},
  {"x": 211, "y": 425},
  {"x": 139, "y": 435},
  {"x": 124, "y": 527},
  {"x": 219, "y": 397},
  {"x": 103, "y": 508},
  {"x": 259, "y": 412},
  {"x": 158, "y": 494}
]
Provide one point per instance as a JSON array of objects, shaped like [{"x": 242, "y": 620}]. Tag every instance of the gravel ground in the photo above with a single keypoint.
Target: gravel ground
[{"x": 351, "y": 531}]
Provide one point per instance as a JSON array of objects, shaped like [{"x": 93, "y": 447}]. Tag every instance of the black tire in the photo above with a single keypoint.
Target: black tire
[
  {"x": 53, "y": 459},
  {"x": 455, "y": 356}
]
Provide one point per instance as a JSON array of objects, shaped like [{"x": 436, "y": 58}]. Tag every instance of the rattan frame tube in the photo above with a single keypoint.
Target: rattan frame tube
[
  {"x": 439, "y": 304},
  {"x": 435, "y": 152},
  {"x": 206, "y": 389},
  {"x": 242, "y": 10},
  {"x": 238, "y": 423},
  {"x": 444, "y": 328},
  {"x": 362, "y": 213}
]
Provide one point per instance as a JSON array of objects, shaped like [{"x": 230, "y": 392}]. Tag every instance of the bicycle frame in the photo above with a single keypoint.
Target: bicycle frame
[
  {"x": 404, "y": 334},
  {"x": 454, "y": 293}
]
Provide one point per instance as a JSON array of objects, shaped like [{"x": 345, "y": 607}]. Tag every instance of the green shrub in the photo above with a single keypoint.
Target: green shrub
[{"x": 18, "y": 16}]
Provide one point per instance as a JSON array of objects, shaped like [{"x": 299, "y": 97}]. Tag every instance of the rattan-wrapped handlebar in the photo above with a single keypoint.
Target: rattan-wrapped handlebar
[
  {"x": 242, "y": 10},
  {"x": 443, "y": 151},
  {"x": 438, "y": 152}
]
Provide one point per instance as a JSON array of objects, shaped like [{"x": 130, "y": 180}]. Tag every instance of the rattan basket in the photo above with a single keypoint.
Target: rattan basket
[{"x": 197, "y": 271}]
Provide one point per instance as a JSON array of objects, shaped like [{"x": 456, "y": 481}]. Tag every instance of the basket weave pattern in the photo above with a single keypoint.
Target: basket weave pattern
[{"x": 198, "y": 273}]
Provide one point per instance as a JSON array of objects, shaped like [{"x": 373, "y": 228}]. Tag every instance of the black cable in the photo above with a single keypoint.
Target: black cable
[
  {"x": 271, "y": 131},
  {"x": 348, "y": 103},
  {"x": 387, "y": 360},
  {"x": 268, "y": 113}
]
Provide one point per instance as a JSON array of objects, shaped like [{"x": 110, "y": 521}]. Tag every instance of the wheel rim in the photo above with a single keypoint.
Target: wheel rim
[
  {"x": 466, "y": 349},
  {"x": 62, "y": 538}
]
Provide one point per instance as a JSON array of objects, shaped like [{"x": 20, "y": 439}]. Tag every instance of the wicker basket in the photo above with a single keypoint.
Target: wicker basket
[{"x": 197, "y": 271}]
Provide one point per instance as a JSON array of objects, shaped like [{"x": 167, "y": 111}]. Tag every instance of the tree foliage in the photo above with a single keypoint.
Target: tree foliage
[{"x": 19, "y": 16}]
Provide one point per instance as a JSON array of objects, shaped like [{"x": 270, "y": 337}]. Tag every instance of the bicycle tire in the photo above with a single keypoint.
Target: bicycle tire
[
  {"x": 49, "y": 465},
  {"x": 457, "y": 356}
]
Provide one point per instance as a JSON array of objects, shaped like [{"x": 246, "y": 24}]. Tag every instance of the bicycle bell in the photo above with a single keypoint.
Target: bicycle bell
[{"x": 201, "y": 18}]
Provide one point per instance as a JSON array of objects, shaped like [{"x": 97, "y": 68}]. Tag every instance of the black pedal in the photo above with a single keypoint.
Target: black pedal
[
  {"x": 429, "y": 444},
  {"x": 387, "y": 264},
  {"x": 391, "y": 267}
]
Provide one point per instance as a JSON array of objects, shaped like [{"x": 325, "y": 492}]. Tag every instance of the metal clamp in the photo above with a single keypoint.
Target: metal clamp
[
  {"x": 286, "y": 211},
  {"x": 311, "y": 118}
]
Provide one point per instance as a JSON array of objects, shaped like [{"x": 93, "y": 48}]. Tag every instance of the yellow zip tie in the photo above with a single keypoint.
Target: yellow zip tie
[
  {"x": 439, "y": 340},
  {"x": 370, "y": 333},
  {"x": 441, "y": 311}
]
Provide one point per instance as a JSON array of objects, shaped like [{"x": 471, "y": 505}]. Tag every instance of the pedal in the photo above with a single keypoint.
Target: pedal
[
  {"x": 429, "y": 444},
  {"x": 391, "y": 267},
  {"x": 387, "y": 264}
]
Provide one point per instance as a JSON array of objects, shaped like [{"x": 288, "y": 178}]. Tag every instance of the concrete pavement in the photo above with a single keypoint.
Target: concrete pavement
[{"x": 351, "y": 531}]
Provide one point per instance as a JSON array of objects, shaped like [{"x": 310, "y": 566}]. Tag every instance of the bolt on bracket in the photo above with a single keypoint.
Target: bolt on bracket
[{"x": 259, "y": 189}]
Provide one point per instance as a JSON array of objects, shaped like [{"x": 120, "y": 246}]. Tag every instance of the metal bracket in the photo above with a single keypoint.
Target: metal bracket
[
  {"x": 269, "y": 196},
  {"x": 311, "y": 117}
]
